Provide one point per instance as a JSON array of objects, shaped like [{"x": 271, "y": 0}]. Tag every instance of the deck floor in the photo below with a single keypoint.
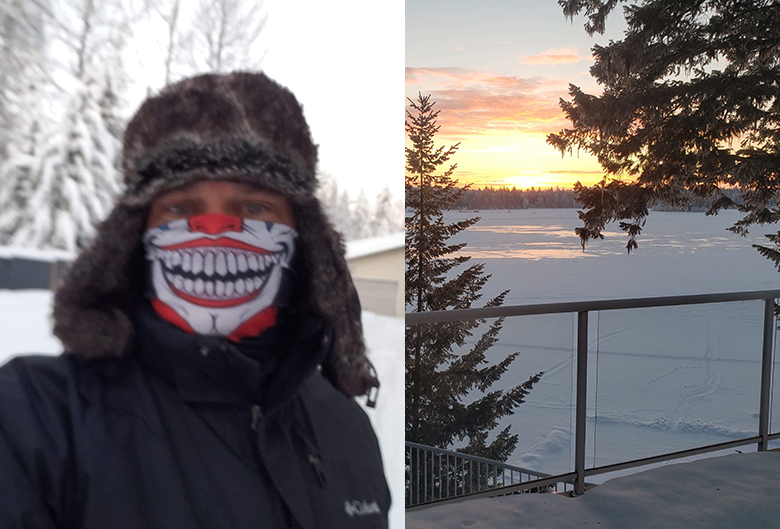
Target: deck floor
[{"x": 738, "y": 491}]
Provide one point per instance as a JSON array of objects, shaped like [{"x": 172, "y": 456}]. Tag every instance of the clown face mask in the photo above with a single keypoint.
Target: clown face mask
[{"x": 219, "y": 274}]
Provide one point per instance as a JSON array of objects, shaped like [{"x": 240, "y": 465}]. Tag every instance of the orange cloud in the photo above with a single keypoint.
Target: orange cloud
[
  {"x": 554, "y": 56},
  {"x": 474, "y": 102}
]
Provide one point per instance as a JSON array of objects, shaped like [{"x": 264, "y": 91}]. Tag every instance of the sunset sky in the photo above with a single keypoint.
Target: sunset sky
[{"x": 497, "y": 71}]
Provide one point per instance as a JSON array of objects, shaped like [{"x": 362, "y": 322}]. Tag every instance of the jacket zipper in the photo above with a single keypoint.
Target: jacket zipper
[
  {"x": 315, "y": 461},
  {"x": 257, "y": 415}
]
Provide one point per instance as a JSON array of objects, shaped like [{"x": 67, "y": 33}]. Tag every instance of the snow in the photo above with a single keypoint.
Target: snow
[
  {"x": 25, "y": 323},
  {"x": 22, "y": 252},
  {"x": 26, "y": 328},
  {"x": 385, "y": 342},
  {"x": 738, "y": 490},
  {"x": 383, "y": 243},
  {"x": 668, "y": 378}
]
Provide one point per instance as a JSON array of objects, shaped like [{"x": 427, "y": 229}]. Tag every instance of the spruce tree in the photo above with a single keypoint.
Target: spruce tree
[
  {"x": 438, "y": 379},
  {"x": 361, "y": 217},
  {"x": 690, "y": 108},
  {"x": 69, "y": 185},
  {"x": 382, "y": 222},
  {"x": 343, "y": 219},
  {"x": 18, "y": 171}
]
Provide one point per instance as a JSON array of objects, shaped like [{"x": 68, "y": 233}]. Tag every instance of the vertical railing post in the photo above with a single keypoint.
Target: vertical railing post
[
  {"x": 766, "y": 375},
  {"x": 581, "y": 402}
]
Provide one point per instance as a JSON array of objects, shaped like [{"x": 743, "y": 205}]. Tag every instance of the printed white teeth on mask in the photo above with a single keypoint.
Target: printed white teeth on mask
[
  {"x": 215, "y": 289},
  {"x": 221, "y": 264},
  {"x": 220, "y": 261},
  {"x": 197, "y": 263}
]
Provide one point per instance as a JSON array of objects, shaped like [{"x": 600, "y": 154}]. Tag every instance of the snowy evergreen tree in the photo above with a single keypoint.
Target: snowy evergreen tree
[
  {"x": 398, "y": 218},
  {"x": 383, "y": 221},
  {"x": 59, "y": 183},
  {"x": 438, "y": 379},
  {"x": 342, "y": 219},
  {"x": 336, "y": 203},
  {"x": 328, "y": 193},
  {"x": 362, "y": 220},
  {"x": 361, "y": 217},
  {"x": 73, "y": 182},
  {"x": 22, "y": 48},
  {"x": 18, "y": 170},
  {"x": 690, "y": 106},
  {"x": 113, "y": 85}
]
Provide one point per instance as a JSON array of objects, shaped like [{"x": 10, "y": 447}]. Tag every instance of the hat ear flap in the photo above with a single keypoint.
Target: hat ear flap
[
  {"x": 92, "y": 306},
  {"x": 333, "y": 295}
]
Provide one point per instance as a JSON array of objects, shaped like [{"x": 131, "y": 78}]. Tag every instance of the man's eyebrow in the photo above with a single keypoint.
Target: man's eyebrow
[
  {"x": 255, "y": 194},
  {"x": 178, "y": 195}
]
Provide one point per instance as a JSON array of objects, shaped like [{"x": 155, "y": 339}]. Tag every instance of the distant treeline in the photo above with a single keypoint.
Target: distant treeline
[
  {"x": 538, "y": 198},
  {"x": 505, "y": 198}
]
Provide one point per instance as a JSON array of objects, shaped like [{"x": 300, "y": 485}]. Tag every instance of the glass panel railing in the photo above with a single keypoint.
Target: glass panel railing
[
  {"x": 774, "y": 411},
  {"x": 544, "y": 423},
  {"x": 672, "y": 378}
]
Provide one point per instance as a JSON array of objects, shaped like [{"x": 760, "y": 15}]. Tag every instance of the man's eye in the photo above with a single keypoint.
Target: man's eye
[
  {"x": 179, "y": 209},
  {"x": 253, "y": 208}
]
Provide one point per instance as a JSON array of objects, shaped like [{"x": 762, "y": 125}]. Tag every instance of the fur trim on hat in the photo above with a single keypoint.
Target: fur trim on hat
[{"x": 240, "y": 127}]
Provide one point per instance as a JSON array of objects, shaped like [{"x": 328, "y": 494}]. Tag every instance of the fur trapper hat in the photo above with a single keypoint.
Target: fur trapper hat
[{"x": 241, "y": 127}]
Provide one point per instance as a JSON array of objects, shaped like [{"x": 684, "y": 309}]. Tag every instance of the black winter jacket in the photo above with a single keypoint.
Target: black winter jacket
[{"x": 178, "y": 436}]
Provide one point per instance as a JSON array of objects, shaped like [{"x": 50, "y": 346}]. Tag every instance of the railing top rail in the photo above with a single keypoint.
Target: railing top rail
[
  {"x": 415, "y": 318},
  {"x": 476, "y": 459}
]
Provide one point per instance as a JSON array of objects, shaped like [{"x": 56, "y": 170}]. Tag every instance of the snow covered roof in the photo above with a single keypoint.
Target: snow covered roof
[
  {"x": 20, "y": 252},
  {"x": 738, "y": 490},
  {"x": 383, "y": 243}
]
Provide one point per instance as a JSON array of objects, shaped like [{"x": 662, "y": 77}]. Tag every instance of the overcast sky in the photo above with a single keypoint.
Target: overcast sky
[{"x": 344, "y": 61}]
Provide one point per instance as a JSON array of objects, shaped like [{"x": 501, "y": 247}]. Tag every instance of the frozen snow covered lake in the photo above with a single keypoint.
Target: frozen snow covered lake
[{"x": 668, "y": 378}]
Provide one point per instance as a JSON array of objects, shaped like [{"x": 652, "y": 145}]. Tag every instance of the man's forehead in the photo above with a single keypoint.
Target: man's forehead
[{"x": 201, "y": 186}]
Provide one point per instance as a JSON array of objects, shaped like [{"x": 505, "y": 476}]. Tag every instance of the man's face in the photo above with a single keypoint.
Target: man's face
[
  {"x": 217, "y": 252},
  {"x": 227, "y": 198}
]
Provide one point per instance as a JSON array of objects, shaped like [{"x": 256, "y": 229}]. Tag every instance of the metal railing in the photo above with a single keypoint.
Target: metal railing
[
  {"x": 438, "y": 474},
  {"x": 582, "y": 309}
]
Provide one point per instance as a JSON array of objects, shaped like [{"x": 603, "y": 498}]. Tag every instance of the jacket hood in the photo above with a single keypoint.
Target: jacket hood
[{"x": 240, "y": 127}]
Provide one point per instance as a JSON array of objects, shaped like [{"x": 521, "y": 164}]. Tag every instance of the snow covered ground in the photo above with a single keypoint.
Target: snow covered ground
[
  {"x": 668, "y": 378},
  {"x": 25, "y": 328},
  {"x": 385, "y": 342},
  {"x": 734, "y": 491}
]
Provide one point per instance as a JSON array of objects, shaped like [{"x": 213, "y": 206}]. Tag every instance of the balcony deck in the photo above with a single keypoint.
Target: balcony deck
[{"x": 732, "y": 491}]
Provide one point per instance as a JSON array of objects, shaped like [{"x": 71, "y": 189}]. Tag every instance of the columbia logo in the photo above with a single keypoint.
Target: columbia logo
[{"x": 361, "y": 508}]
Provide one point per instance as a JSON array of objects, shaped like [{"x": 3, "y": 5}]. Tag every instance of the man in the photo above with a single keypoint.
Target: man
[{"x": 212, "y": 336}]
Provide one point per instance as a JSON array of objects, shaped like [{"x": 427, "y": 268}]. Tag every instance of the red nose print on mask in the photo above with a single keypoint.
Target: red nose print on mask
[{"x": 214, "y": 223}]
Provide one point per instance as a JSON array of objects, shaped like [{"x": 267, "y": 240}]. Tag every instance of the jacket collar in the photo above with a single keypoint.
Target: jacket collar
[{"x": 207, "y": 369}]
